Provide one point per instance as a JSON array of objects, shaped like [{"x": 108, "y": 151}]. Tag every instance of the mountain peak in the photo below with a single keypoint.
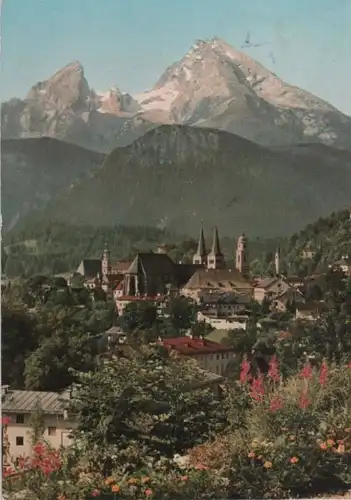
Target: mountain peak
[{"x": 66, "y": 87}]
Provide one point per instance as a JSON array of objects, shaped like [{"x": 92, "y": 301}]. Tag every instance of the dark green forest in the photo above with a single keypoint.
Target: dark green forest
[{"x": 59, "y": 248}]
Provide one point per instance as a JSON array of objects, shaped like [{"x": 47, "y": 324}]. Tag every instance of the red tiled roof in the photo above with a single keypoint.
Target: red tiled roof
[{"x": 194, "y": 346}]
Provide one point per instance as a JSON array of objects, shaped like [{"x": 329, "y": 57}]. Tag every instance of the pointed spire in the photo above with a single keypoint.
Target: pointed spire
[
  {"x": 201, "y": 247},
  {"x": 216, "y": 249}
]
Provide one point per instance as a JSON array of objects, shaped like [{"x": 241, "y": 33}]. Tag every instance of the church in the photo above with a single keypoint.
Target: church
[
  {"x": 156, "y": 274},
  {"x": 214, "y": 275}
]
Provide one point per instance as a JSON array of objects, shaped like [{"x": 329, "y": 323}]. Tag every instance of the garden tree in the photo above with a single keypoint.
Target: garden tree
[
  {"x": 37, "y": 423},
  {"x": 62, "y": 296},
  {"x": 291, "y": 306},
  {"x": 242, "y": 341},
  {"x": 201, "y": 328},
  {"x": 17, "y": 292},
  {"x": 313, "y": 292},
  {"x": 14, "y": 266},
  {"x": 18, "y": 339},
  {"x": 327, "y": 338},
  {"x": 265, "y": 306},
  {"x": 58, "y": 282},
  {"x": 49, "y": 367},
  {"x": 81, "y": 296},
  {"x": 336, "y": 285},
  {"x": 139, "y": 316},
  {"x": 77, "y": 281},
  {"x": 143, "y": 405},
  {"x": 182, "y": 312},
  {"x": 100, "y": 317},
  {"x": 99, "y": 294}
]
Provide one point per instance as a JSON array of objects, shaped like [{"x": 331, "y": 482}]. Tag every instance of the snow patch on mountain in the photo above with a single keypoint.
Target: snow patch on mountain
[{"x": 158, "y": 98}]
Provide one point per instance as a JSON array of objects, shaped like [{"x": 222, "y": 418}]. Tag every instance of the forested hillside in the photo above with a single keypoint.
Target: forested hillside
[
  {"x": 58, "y": 248},
  {"x": 328, "y": 238}
]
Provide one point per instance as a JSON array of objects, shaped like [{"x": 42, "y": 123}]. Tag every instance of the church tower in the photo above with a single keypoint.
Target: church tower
[
  {"x": 215, "y": 259},
  {"x": 200, "y": 257},
  {"x": 242, "y": 261},
  {"x": 106, "y": 262},
  {"x": 277, "y": 262}
]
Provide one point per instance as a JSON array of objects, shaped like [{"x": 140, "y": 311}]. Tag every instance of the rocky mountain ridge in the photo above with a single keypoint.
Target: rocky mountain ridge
[{"x": 213, "y": 86}]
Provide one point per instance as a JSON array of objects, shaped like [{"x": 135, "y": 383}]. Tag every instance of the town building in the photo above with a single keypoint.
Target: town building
[
  {"x": 270, "y": 288},
  {"x": 344, "y": 264},
  {"x": 242, "y": 257},
  {"x": 206, "y": 281},
  {"x": 310, "y": 311},
  {"x": 18, "y": 408},
  {"x": 232, "y": 322},
  {"x": 101, "y": 273},
  {"x": 157, "y": 301},
  {"x": 224, "y": 304},
  {"x": 154, "y": 276},
  {"x": 308, "y": 253},
  {"x": 210, "y": 356}
]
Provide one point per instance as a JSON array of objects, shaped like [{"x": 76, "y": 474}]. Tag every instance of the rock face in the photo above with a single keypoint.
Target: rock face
[
  {"x": 66, "y": 108},
  {"x": 34, "y": 170},
  {"x": 212, "y": 86},
  {"x": 176, "y": 176}
]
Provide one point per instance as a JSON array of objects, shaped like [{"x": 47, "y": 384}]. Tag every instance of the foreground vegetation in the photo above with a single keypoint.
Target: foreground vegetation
[
  {"x": 142, "y": 435},
  {"x": 147, "y": 425}
]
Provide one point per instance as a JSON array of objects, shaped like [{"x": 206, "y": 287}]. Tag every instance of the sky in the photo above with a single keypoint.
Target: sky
[{"x": 130, "y": 43}]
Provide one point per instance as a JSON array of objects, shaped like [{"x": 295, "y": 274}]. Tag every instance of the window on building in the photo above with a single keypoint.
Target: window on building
[
  {"x": 217, "y": 356},
  {"x": 19, "y": 440},
  {"x": 19, "y": 419},
  {"x": 52, "y": 431}
]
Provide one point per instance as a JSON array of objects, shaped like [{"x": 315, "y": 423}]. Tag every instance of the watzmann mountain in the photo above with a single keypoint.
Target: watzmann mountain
[{"x": 213, "y": 86}]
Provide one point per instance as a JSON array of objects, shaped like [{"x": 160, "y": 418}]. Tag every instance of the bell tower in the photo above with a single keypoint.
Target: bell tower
[
  {"x": 242, "y": 262},
  {"x": 200, "y": 257},
  {"x": 215, "y": 259},
  {"x": 106, "y": 262}
]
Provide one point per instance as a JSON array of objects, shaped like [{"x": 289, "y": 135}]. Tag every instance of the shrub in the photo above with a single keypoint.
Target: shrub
[
  {"x": 285, "y": 438},
  {"x": 296, "y": 435}
]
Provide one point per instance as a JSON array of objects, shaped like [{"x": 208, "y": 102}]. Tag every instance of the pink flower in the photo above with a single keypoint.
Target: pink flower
[
  {"x": 323, "y": 376},
  {"x": 5, "y": 420},
  {"x": 257, "y": 389},
  {"x": 273, "y": 371},
  {"x": 306, "y": 371},
  {"x": 245, "y": 368},
  {"x": 304, "y": 400},
  {"x": 8, "y": 471},
  {"x": 201, "y": 467},
  {"x": 95, "y": 493},
  {"x": 39, "y": 449},
  {"x": 148, "y": 492},
  {"x": 276, "y": 404}
]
